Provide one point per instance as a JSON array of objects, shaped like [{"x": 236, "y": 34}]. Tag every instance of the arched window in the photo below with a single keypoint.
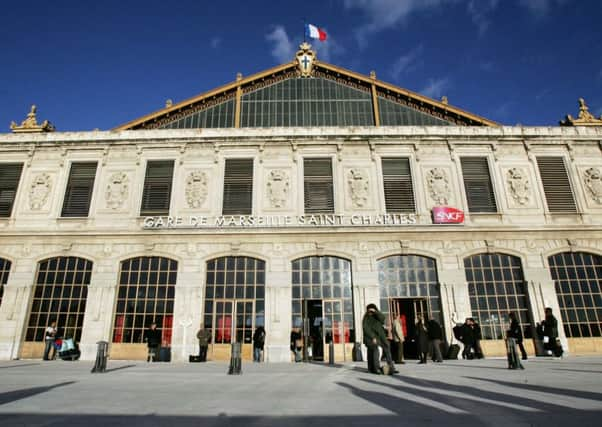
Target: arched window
[
  {"x": 4, "y": 270},
  {"x": 408, "y": 287},
  {"x": 578, "y": 280},
  {"x": 145, "y": 295},
  {"x": 59, "y": 295},
  {"x": 322, "y": 296},
  {"x": 496, "y": 288},
  {"x": 234, "y": 298}
]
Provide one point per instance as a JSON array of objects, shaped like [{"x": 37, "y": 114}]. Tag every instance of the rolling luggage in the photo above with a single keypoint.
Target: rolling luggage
[
  {"x": 193, "y": 358},
  {"x": 452, "y": 353}
]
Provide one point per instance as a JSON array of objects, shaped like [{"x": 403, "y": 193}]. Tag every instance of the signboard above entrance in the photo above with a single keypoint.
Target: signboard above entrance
[{"x": 447, "y": 215}]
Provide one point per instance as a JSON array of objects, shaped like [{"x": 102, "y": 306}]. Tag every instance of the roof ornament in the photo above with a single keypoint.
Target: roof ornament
[
  {"x": 305, "y": 59},
  {"x": 30, "y": 124},
  {"x": 585, "y": 117},
  {"x": 168, "y": 103},
  {"x": 444, "y": 100}
]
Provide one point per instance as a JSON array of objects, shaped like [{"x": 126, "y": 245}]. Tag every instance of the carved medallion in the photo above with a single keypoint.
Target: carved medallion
[
  {"x": 305, "y": 59},
  {"x": 438, "y": 185},
  {"x": 593, "y": 183},
  {"x": 358, "y": 187},
  {"x": 519, "y": 186},
  {"x": 278, "y": 188},
  {"x": 117, "y": 190},
  {"x": 39, "y": 191},
  {"x": 196, "y": 189}
]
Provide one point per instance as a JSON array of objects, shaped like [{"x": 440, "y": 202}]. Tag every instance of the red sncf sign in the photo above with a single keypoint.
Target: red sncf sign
[{"x": 447, "y": 215}]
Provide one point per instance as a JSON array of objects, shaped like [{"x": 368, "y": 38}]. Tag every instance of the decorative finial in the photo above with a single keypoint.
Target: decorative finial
[
  {"x": 305, "y": 59},
  {"x": 444, "y": 100},
  {"x": 238, "y": 77},
  {"x": 373, "y": 75},
  {"x": 585, "y": 118},
  {"x": 168, "y": 103},
  {"x": 30, "y": 124}
]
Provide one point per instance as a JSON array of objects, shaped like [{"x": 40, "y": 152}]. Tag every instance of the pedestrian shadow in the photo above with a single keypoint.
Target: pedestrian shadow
[
  {"x": 19, "y": 366},
  {"x": 546, "y": 389},
  {"x": 12, "y": 396},
  {"x": 119, "y": 368}
]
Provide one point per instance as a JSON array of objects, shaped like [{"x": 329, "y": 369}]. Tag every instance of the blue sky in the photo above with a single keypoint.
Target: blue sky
[{"x": 93, "y": 65}]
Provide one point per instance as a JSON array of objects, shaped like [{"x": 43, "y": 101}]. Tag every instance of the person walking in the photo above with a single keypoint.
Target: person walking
[
  {"x": 204, "y": 336},
  {"x": 297, "y": 344},
  {"x": 373, "y": 327},
  {"x": 422, "y": 339},
  {"x": 397, "y": 331},
  {"x": 258, "y": 343},
  {"x": 550, "y": 334},
  {"x": 467, "y": 339},
  {"x": 152, "y": 336},
  {"x": 435, "y": 336},
  {"x": 477, "y": 336},
  {"x": 516, "y": 332},
  {"x": 49, "y": 339}
]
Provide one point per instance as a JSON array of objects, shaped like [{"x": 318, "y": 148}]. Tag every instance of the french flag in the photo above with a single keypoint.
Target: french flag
[{"x": 314, "y": 32}]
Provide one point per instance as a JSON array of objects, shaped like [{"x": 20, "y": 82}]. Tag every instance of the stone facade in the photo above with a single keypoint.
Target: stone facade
[{"x": 114, "y": 229}]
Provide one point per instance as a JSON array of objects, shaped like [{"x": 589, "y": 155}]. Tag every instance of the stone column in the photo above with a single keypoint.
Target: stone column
[
  {"x": 365, "y": 291},
  {"x": 100, "y": 306},
  {"x": 14, "y": 310},
  {"x": 278, "y": 313}
]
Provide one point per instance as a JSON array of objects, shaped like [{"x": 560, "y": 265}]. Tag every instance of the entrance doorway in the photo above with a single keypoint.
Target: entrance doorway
[
  {"x": 234, "y": 322},
  {"x": 408, "y": 309},
  {"x": 323, "y": 324}
]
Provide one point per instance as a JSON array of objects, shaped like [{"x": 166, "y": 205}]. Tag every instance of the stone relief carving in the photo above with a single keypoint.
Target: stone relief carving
[
  {"x": 438, "y": 185},
  {"x": 117, "y": 190},
  {"x": 593, "y": 183},
  {"x": 39, "y": 191},
  {"x": 278, "y": 188},
  {"x": 358, "y": 186},
  {"x": 196, "y": 189},
  {"x": 519, "y": 186}
]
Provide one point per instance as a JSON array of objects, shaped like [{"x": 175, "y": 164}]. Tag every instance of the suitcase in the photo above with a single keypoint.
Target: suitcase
[
  {"x": 193, "y": 358},
  {"x": 165, "y": 354},
  {"x": 453, "y": 352}
]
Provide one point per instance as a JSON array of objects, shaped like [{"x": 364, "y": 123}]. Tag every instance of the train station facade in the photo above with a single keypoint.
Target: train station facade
[{"x": 292, "y": 199}]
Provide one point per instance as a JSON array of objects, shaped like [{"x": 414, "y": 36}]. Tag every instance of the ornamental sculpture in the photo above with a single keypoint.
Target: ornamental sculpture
[
  {"x": 305, "y": 59},
  {"x": 438, "y": 185},
  {"x": 278, "y": 188},
  {"x": 39, "y": 190},
  {"x": 593, "y": 183},
  {"x": 358, "y": 187},
  {"x": 30, "y": 124},
  {"x": 117, "y": 190},
  {"x": 585, "y": 117},
  {"x": 196, "y": 189},
  {"x": 519, "y": 186}
]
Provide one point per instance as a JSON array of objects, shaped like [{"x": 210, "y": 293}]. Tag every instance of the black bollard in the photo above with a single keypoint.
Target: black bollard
[
  {"x": 331, "y": 353},
  {"x": 100, "y": 365},
  {"x": 235, "y": 360}
]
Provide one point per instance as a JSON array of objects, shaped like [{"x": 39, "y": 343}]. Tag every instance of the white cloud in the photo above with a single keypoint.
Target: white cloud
[
  {"x": 436, "y": 87},
  {"x": 215, "y": 42},
  {"x": 408, "y": 62},
  {"x": 283, "y": 50},
  {"x": 540, "y": 8},
  {"x": 479, "y": 11}
]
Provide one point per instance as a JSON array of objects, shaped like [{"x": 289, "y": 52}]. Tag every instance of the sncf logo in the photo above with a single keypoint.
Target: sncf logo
[{"x": 447, "y": 215}]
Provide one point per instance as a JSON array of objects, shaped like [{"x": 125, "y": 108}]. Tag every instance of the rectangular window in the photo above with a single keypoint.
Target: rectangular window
[
  {"x": 238, "y": 187},
  {"x": 10, "y": 174},
  {"x": 156, "y": 194},
  {"x": 477, "y": 184},
  {"x": 318, "y": 186},
  {"x": 79, "y": 190},
  {"x": 397, "y": 182},
  {"x": 556, "y": 185}
]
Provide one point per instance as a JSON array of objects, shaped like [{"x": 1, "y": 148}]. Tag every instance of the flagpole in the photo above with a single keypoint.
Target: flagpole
[{"x": 304, "y": 41}]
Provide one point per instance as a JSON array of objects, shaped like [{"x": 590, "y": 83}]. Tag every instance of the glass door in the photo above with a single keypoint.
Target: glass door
[{"x": 336, "y": 329}]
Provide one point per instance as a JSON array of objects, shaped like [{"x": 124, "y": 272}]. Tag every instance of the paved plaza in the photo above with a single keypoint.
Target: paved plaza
[{"x": 469, "y": 393}]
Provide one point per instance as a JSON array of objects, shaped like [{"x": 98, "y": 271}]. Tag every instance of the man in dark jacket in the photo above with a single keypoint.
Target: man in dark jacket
[
  {"x": 467, "y": 338},
  {"x": 435, "y": 335},
  {"x": 204, "y": 336},
  {"x": 373, "y": 326},
  {"x": 516, "y": 332},
  {"x": 550, "y": 333},
  {"x": 152, "y": 336},
  {"x": 477, "y": 337}
]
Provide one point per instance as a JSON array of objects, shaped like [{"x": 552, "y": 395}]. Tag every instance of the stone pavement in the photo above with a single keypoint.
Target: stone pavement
[{"x": 468, "y": 393}]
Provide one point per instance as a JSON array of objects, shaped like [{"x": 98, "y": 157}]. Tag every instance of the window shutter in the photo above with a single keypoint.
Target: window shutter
[
  {"x": 79, "y": 190},
  {"x": 238, "y": 187},
  {"x": 318, "y": 186},
  {"x": 556, "y": 185},
  {"x": 156, "y": 195},
  {"x": 397, "y": 182},
  {"x": 477, "y": 184},
  {"x": 10, "y": 174}
]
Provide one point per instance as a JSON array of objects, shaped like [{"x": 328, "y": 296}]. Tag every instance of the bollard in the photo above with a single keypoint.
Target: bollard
[
  {"x": 357, "y": 352},
  {"x": 100, "y": 365},
  {"x": 331, "y": 353},
  {"x": 235, "y": 360}
]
